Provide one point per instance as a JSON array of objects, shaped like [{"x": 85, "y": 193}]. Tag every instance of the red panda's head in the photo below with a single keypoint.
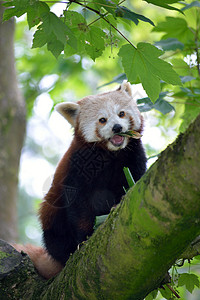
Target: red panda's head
[{"x": 100, "y": 118}]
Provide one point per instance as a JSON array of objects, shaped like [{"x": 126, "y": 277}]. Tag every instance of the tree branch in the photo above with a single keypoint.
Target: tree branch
[
  {"x": 18, "y": 279},
  {"x": 192, "y": 250},
  {"x": 129, "y": 255}
]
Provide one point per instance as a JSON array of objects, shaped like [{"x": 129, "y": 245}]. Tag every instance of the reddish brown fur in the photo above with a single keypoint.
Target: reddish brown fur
[
  {"x": 51, "y": 204},
  {"x": 44, "y": 263},
  {"x": 142, "y": 124},
  {"x": 97, "y": 133},
  {"x": 131, "y": 122}
]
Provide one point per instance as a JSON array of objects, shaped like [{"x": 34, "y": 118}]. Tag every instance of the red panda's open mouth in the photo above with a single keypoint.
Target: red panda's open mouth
[{"x": 117, "y": 140}]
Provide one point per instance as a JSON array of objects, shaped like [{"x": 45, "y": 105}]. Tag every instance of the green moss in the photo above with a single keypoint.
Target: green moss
[{"x": 4, "y": 255}]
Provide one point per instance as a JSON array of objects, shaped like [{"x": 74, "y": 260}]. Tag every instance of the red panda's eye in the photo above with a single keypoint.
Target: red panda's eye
[
  {"x": 102, "y": 120},
  {"x": 122, "y": 114}
]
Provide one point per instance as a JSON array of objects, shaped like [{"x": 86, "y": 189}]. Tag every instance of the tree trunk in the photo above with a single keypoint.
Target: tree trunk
[
  {"x": 129, "y": 255},
  {"x": 12, "y": 130}
]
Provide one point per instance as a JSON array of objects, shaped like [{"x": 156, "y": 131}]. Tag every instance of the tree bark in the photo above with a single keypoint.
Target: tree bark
[
  {"x": 12, "y": 131},
  {"x": 128, "y": 256}
]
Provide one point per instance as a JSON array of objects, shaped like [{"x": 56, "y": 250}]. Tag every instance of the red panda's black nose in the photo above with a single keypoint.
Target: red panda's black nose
[{"x": 117, "y": 128}]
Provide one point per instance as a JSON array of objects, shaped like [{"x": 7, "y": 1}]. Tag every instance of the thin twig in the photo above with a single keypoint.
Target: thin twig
[
  {"x": 88, "y": 2},
  {"x": 104, "y": 14},
  {"x": 98, "y": 13},
  {"x": 106, "y": 5},
  {"x": 64, "y": 2},
  {"x": 173, "y": 291},
  {"x": 120, "y": 33}
]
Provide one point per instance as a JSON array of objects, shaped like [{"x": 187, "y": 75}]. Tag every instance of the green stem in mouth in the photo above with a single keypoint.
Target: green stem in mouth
[{"x": 131, "y": 134}]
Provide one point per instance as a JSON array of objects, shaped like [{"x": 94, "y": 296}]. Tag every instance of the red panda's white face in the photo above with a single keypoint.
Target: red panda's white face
[{"x": 103, "y": 117}]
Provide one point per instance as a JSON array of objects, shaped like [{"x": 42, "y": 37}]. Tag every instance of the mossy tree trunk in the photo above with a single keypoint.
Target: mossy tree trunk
[
  {"x": 129, "y": 255},
  {"x": 12, "y": 130}
]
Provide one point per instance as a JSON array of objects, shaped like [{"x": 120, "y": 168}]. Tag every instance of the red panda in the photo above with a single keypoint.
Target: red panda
[{"x": 89, "y": 179}]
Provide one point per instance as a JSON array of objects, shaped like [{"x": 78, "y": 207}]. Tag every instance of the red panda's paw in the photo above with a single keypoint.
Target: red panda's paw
[{"x": 43, "y": 262}]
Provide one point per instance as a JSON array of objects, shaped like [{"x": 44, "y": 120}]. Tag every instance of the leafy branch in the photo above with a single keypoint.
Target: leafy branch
[
  {"x": 103, "y": 17},
  {"x": 71, "y": 33}
]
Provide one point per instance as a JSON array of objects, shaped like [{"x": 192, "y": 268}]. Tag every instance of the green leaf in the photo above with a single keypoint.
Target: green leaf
[
  {"x": 129, "y": 177},
  {"x": 188, "y": 78},
  {"x": 164, "y": 3},
  {"x": 35, "y": 12},
  {"x": 169, "y": 44},
  {"x": 99, "y": 220},
  {"x": 73, "y": 19},
  {"x": 189, "y": 280},
  {"x": 19, "y": 4},
  {"x": 90, "y": 40},
  {"x": 144, "y": 62},
  {"x": 94, "y": 42},
  {"x": 7, "y": 3},
  {"x": 125, "y": 13},
  {"x": 39, "y": 38},
  {"x": 77, "y": 23},
  {"x": 152, "y": 295},
  {"x": 175, "y": 28},
  {"x": 52, "y": 30},
  {"x": 181, "y": 67},
  {"x": 55, "y": 33},
  {"x": 11, "y": 12},
  {"x": 55, "y": 46},
  {"x": 69, "y": 51},
  {"x": 145, "y": 104},
  {"x": 53, "y": 24},
  {"x": 162, "y": 105},
  {"x": 20, "y": 8},
  {"x": 193, "y": 4},
  {"x": 46, "y": 34}
]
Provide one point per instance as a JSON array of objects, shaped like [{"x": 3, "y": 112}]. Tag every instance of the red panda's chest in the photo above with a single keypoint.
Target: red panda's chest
[{"x": 96, "y": 176}]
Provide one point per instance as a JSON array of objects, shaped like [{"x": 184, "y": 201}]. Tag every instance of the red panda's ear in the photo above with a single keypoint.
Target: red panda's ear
[
  {"x": 126, "y": 86},
  {"x": 69, "y": 110}
]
